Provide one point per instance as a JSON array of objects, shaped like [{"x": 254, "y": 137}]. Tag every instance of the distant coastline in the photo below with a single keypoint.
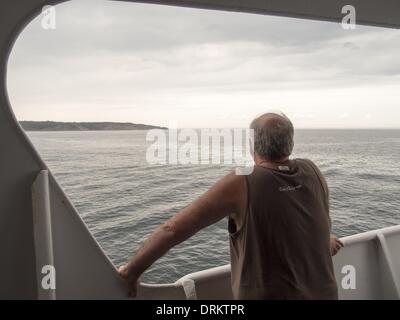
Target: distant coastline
[{"x": 84, "y": 126}]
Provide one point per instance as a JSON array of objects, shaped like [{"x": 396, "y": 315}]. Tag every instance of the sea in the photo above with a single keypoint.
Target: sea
[{"x": 122, "y": 197}]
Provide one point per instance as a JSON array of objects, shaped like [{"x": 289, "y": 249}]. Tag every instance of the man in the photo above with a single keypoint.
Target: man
[{"x": 279, "y": 223}]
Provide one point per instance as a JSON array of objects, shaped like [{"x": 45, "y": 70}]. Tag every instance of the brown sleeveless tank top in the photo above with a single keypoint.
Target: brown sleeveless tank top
[{"x": 282, "y": 250}]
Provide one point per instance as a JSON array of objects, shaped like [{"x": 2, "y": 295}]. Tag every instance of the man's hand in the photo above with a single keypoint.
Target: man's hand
[
  {"x": 336, "y": 245},
  {"x": 133, "y": 281}
]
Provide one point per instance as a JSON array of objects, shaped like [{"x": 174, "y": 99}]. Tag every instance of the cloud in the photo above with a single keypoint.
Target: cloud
[
  {"x": 117, "y": 60},
  {"x": 303, "y": 116},
  {"x": 343, "y": 116}
]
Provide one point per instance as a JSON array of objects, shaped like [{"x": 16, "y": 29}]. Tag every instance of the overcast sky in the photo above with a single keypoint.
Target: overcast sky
[{"x": 117, "y": 61}]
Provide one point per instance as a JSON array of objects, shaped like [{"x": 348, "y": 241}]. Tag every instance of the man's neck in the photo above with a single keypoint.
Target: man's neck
[{"x": 259, "y": 161}]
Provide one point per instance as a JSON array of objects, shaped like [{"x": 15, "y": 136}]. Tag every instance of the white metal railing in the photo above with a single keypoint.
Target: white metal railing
[{"x": 377, "y": 266}]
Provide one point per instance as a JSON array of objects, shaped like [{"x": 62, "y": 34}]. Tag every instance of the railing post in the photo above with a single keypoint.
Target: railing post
[
  {"x": 42, "y": 232},
  {"x": 389, "y": 263}
]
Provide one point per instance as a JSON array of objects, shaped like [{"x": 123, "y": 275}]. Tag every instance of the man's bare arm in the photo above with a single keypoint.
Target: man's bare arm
[{"x": 225, "y": 197}]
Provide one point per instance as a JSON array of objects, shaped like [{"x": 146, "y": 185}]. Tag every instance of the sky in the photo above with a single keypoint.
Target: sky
[{"x": 192, "y": 68}]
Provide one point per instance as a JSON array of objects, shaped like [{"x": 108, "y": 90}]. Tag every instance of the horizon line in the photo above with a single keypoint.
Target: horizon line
[{"x": 233, "y": 127}]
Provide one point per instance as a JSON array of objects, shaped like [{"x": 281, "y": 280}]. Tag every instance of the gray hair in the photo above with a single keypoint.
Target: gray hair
[{"x": 273, "y": 136}]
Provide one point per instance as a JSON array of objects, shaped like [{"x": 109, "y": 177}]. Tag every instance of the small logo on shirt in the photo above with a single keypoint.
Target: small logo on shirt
[{"x": 290, "y": 188}]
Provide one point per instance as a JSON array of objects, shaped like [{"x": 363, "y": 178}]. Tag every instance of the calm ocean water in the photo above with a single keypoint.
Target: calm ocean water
[{"x": 122, "y": 199}]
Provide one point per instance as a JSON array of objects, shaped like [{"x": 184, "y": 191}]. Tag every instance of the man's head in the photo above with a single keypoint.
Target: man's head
[{"x": 273, "y": 136}]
